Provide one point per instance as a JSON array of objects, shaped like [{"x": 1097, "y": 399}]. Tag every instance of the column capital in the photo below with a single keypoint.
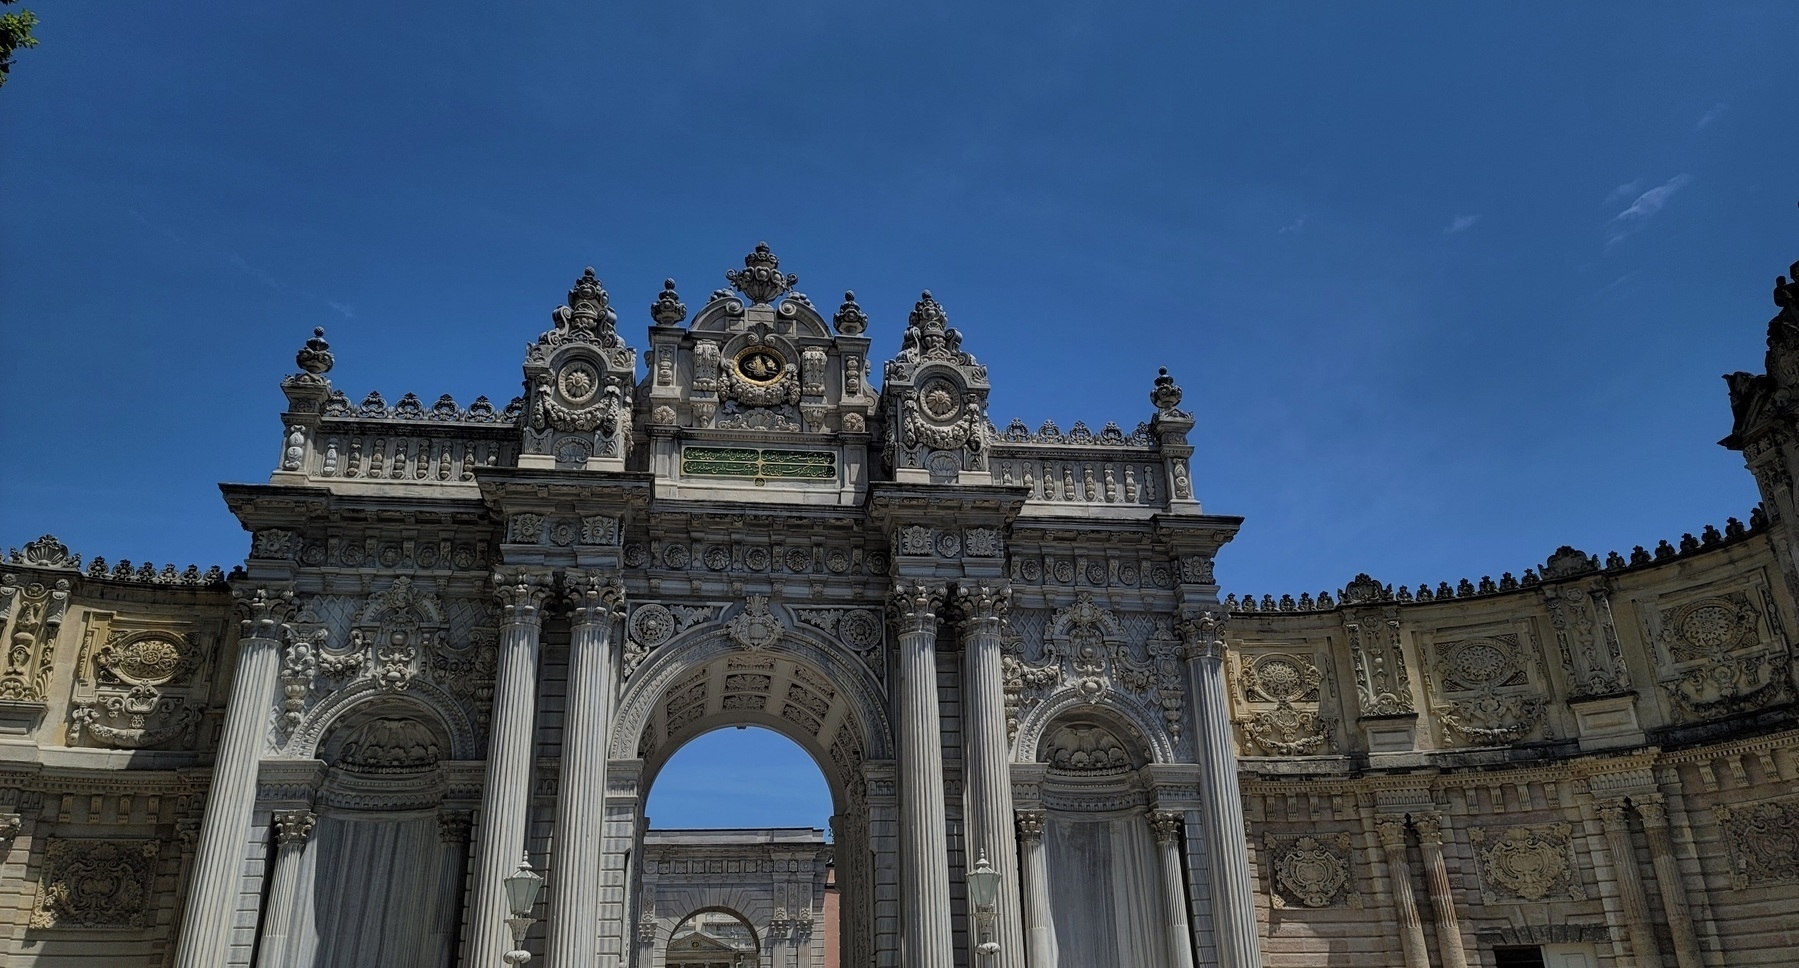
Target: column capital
[
  {"x": 293, "y": 827},
  {"x": 1391, "y": 830},
  {"x": 1030, "y": 825},
  {"x": 1202, "y": 632},
  {"x": 1653, "y": 808},
  {"x": 980, "y": 607},
  {"x": 913, "y": 606},
  {"x": 521, "y": 593},
  {"x": 1429, "y": 827},
  {"x": 1166, "y": 825},
  {"x": 453, "y": 826},
  {"x": 263, "y": 609},
  {"x": 1613, "y": 813},
  {"x": 593, "y": 596}
]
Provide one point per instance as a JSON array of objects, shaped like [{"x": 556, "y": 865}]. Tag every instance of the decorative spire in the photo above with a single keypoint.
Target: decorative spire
[
  {"x": 761, "y": 278},
  {"x": 850, "y": 320},
  {"x": 668, "y": 309},
  {"x": 1166, "y": 396},
  {"x": 928, "y": 315},
  {"x": 315, "y": 357}
]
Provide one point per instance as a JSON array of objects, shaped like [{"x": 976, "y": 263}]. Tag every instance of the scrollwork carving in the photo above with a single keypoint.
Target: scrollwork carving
[{"x": 1312, "y": 869}]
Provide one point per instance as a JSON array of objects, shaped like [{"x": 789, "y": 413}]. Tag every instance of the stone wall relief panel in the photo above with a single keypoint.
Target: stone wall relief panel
[
  {"x": 1382, "y": 677},
  {"x": 1285, "y": 694},
  {"x": 1586, "y": 636},
  {"x": 1720, "y": 651},
  {"x": 139, "y": 684},
  {"x": 1527, "y": 863},
  {"x": 36, "y": 608},
  {"x": 96, "y": 884},
  {"x": 1487, "y": 685},
  {"x": 1312, "y": 870},
  {"x": 1761, "y": 840}
]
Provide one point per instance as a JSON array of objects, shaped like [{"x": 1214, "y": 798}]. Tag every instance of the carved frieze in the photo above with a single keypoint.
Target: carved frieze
[
  {"x": 96, "y": 884},
  {"x": 1526, "y": 863}
]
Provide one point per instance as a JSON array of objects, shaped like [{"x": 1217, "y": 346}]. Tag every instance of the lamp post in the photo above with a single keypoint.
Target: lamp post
[
  {"x": 983, "y": 893},
  {"x": 521, "y": 896}
]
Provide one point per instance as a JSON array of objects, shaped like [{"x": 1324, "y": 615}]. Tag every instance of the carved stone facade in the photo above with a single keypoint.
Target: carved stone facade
[{"x": 463, "y": 635}]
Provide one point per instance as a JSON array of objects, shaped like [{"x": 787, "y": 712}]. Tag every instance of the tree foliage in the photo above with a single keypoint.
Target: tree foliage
[{"x": 15, "y": 32}]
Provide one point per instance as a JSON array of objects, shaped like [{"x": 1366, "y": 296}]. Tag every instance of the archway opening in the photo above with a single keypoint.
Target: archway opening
[
  {"x": 739, "y": 778},
  {"x": 713, "y": 938}
]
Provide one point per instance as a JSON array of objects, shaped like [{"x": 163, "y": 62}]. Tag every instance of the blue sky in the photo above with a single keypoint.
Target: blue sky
[{"x": 1447, "y": 285}]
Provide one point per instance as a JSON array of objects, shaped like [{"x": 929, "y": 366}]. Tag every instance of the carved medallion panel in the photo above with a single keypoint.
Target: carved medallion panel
[
  {"x": 1488, "y": 686},
  {"x": 1312, "y": 870},
  {"x": 1719, "y": 654},
  {"x": 1526, "y": 863},
  {"x": 96, "y": 884},
  {"x": 1762, "y": 840}
]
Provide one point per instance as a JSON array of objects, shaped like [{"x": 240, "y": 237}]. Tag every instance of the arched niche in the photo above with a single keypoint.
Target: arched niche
[
  {"x": 1101, "y": 859},
  {"x": 713, "y": 937}
]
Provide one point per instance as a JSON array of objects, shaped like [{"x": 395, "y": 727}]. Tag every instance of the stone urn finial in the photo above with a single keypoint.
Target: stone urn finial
[
  {"x": 315, "y": 357},
  {"x": 1166, "y": 395}
]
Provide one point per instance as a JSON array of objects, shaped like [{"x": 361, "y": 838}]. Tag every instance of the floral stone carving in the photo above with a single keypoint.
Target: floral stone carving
[
  {"x": 1487, "y": 694},
  {"x": 1718, "y": 661},
  {"x": 1313, "y": 870},
  {"x": 1531, "y": 863},
  {"x": 96, "y": 884},
  {"x": 1290, "y": 685},
  {"x": 1763, "y": 841}
]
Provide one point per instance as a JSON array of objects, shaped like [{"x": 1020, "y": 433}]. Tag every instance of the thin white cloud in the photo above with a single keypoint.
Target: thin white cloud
[
  {"x": 1632, "y": 219},
  {"x": 1625, "y": 190},
  {"x": 1714, "y": 114},
  {"x": 1461, "y": 223},
  {"x": 1298, "y": 223},
  {"x": 343, "y": 308}
]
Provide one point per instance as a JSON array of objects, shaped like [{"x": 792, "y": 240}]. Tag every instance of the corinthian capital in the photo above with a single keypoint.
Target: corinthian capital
[
  {"x": 1391, "y": 831},
  {"x": 1614, "y": 813},
  {"x": 292, "y": 827},
  {"x": 264, "y": 610},
  {"x": 1166, "y": 825},
  {"x": 593, "y": 597},
  {"x": 913, "y": 606},
  {"x": 980, "y": 607},
  {"x": 521, "y": 593},
  {"x": 1653, "y": 808},
  {"x": 1030, "y": 824},
  {"x": 1429, "y": 827},
  {"x": 1202, "y": 632}
]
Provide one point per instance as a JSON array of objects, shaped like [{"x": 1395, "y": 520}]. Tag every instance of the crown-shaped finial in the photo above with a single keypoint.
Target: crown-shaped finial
[
  {"x": 315, "y": 357},
  {"x": 927, "y": 314},
  {"x": 1166, "y": 395},
  {"x": 668, "y": 309},
  {"x": 589, "y": 306},
  {"x": 761, "y": 278},
  {"x": 849, "y": 319}
]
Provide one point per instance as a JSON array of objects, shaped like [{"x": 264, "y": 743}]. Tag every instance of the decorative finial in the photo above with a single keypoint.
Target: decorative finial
[
  {"x": 589, "y": 307},
  {"x": 761, "y": 278},
  {"x": 928, "y": 314},
  {"x": 1166, "y": 396},
  {"x": 668, "y": 309},
  {"x": 315, "y": 357},
  {"x": 850, "y": 320}
]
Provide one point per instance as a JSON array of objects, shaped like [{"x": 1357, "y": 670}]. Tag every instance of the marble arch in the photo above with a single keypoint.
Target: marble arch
[{"x": 1129, "y": 724}]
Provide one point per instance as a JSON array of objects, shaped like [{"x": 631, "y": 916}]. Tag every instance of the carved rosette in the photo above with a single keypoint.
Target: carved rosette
[
  {"x": 1528, "y": 863},
  {"x": 1312, "y": 870}
]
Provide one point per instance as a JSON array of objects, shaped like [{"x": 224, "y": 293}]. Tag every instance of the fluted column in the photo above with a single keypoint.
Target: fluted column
[
  {"x": 206, "y": 922},
  {"x": 1654, "y": 812},
  {"x": 596, "y": 603},
  {"x": 1442, "y": 896},
  {"x": 292, "y": 828},
  {"x": 1039, "y": 929},
  {"x": 506, "y": 791},
  {"x": 987, "y": 785},
  {"x": 452, "y": 868},
  {"x": 924, "y": 847},
  {"x": 1399, "y": 876},
  {"x": 1638, "y": 922},
  {"x": 1166, "y": 826},
  {"x": 1227, "y": 843}
]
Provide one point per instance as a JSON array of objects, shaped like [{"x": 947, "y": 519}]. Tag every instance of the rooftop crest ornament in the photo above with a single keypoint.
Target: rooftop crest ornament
[
  {"x": 761, "y": 278},
  {"x": 1167, "y": 394},
  {"x": 588, "y": 317},
  {"x": 668, "y": 309},
  {"x": 850, "y": 320}
]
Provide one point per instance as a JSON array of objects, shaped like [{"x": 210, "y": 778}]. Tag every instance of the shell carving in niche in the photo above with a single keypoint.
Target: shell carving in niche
[
  {"x": 1085, "y": 748},
  {"x": 389, "y": 746}
]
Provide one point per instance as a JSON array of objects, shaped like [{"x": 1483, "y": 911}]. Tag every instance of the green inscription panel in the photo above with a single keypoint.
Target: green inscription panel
[{"x": 758, "y": 464}]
